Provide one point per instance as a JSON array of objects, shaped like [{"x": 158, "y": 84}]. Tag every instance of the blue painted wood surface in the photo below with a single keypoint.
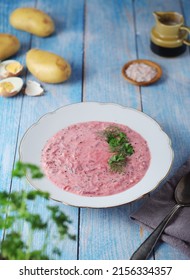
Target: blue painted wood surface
[{"x": 97, "y": 38}]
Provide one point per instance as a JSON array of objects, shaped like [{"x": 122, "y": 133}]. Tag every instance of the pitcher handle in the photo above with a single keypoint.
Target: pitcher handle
[{"x": 187, "y": 29}]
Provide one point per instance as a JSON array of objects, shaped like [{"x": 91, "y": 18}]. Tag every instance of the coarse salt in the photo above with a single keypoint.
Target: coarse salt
[{"x": 141, "y": 72}]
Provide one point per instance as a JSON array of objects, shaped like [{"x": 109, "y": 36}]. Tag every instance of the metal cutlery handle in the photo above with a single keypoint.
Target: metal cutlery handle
[{"x": 148, "y": 245}]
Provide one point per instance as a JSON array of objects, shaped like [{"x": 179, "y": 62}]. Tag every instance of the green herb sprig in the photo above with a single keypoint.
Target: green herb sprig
[
  {"x": 14, "y": 210},
  {"x": 120, "y": 146},
  {"x": 22, "y": 168}
]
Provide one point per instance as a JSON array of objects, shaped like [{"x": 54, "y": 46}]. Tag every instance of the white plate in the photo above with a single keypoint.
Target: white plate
[{"x": 159, "y": 144}]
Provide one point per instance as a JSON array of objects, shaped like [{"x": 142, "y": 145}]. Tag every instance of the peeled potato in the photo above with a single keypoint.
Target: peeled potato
[
  {"x": 9, "y": 45},
  {"x": 33, "y": 21},
  {"x": 47, "y": 67}
]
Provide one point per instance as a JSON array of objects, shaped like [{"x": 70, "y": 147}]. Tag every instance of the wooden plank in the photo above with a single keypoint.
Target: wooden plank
[
  {"x": 67, "y": 42},
  {"x": 109, "y": 43},
  {"x": 167, "y": 101},
  {"x": 10, "y": 109}
]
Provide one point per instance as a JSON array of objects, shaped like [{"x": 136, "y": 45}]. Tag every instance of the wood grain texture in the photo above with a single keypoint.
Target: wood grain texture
[
  {"x": 109, "y": 43},
  {"x": 165, "y": 101},
  {"x": 10, "y": 109},
  {"x": 97, "y": 38},
  {"x": 67, "y": 42}
]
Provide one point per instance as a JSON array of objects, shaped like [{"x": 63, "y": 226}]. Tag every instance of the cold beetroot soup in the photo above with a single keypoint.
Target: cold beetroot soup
[{"x": 77, "y": 159}]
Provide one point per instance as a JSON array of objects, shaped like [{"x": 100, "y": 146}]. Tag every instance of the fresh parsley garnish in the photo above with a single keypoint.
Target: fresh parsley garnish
[
  {"x": 119, "y": 145},
  {"x": 22, "y": 168},
  {"x": 15, "y": 209}
]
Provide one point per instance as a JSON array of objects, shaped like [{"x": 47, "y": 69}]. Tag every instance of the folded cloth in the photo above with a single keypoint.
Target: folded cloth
[{"x": 159, "y": 204}]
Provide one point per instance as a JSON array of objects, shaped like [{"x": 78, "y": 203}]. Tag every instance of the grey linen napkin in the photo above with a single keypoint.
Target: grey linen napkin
[{"x": 159, "y": 204}]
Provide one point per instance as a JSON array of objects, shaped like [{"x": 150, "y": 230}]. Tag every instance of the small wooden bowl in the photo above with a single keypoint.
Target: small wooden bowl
[{"x": 147, "y": 62}]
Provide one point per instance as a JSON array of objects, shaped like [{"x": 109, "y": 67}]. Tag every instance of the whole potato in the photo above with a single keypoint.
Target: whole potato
[
  {"x": 9, "y": 45},
  {"x": 33, "y": 21},
  {"x": 47, "y": 67}
]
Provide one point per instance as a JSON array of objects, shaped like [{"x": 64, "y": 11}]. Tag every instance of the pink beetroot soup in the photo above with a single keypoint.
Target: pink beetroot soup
[{"x": 76, "y": 160}]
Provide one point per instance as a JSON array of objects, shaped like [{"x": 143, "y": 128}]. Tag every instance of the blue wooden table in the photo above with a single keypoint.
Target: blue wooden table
[{"x": 97, "y": 38}]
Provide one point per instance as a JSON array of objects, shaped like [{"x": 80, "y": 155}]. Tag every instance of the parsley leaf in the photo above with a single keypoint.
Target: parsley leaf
[
  {"x": 21, "y": 170},
  {"x": 119, "y": 145}
]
